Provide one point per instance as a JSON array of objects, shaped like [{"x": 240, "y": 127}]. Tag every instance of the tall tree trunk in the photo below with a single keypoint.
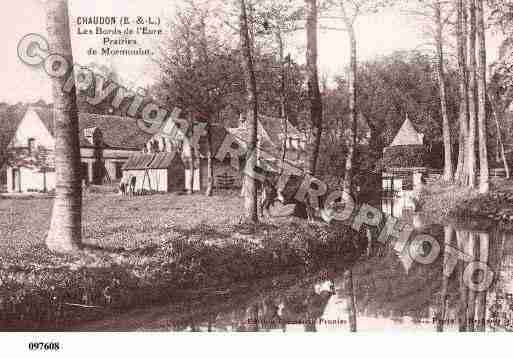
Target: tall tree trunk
[
  {"x": 283, "y": 100},
  {"x": 499, "y": 137},
  {"x": 353, "y": 110},
  {"x": 250, "y": 188},
  {"x": 210, "y": 162},
  {"x": 463, "y": 90},
  {"x": 314, "y": 92},
  {"x": 472, "y": 95},
  {"x": 65, "y": 234},
  {"x": 484, "y": 176},
  {"x": 190, "y": 158},
  {"x": 448, "y": 166}
]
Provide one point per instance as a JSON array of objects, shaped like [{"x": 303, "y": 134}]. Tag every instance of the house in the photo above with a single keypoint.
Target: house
[
  {"x": 225, "y": 176},
  {"x": 106, "y": 143},
  {"x": 405, "y": 163},
  {"x": 272, "y": 134},
  {"x": 156, "y": 172}
]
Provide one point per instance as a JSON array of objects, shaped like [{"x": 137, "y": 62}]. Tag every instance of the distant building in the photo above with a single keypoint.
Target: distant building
[
  {"x": 156, "y": 172},
  {"x": 106, "y": 143},
  {"x": 271, "y": 134},
  {"x": 404, "y": 167}
]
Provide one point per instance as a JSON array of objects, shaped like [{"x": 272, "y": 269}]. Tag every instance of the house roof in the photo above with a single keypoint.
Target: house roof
[
  {"x": 161, "y": 160},
  {"x": 46, "y": 116},
  {"x": 117, "y": 131},
  {"x": 270, "y": 134},
  {"x": 407, "y": 135},
  {"x": 139, "y": 162},
  {"x": 270, "y": 128},
  {"x": 10, "y": 119}
]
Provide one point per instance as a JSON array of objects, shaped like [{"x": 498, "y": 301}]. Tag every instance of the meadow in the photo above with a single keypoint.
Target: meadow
[{"x": 150, "y": 250}]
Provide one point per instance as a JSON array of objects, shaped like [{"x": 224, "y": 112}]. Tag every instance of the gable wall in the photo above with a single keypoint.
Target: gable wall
[{"x": 32, "y": 127}]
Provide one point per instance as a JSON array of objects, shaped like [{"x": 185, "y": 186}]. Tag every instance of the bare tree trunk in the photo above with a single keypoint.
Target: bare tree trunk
[
  {"x": 484, "y": 176},
  {"x": 472, "y": 95},
  {"x": 250, "y": 188},
  {"x": 65, "y": 234},
  {"x": 283, "y": 102},
  {"x": 463, "y": 89},
  {"x": 499, "y": 138},
  {"x": 314, "y": 92},
  {"x": 189, "y": 151},
  {"x": 353, "y": 110},
  {"x": 210, "y": 164},
  {"x": 448, "y": 166}
]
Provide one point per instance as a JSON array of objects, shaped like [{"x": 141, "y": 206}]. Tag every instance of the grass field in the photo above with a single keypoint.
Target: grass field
[{"x": 111, "y": 221}]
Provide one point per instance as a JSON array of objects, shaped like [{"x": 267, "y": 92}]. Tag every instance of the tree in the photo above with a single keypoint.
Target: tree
[
  {"x": 200, "y": 72},
  {"x": 350, "y": 11},
  {"x": 461, "y": 30},
  {"x": 472, "y": 96},
  {"x": 500, "y": 96},
  {"x": 432, "y": 10},
  {"x": 314, "y": 92},
  {"x": 250, "y": 189},
  {"x": 65, "y": 232},
  {"x": 278, "y": 19},
  {"x": 353, "y": 110},
  {"x": 448, "y": 166},
  {"x": 484, "y": 180}
]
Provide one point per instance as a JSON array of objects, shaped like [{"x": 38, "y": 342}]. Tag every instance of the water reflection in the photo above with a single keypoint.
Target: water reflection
[{"x": 379, "y": 293}]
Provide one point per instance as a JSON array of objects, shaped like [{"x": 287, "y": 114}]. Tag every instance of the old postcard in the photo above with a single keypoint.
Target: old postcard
[{"x": 256, "y": 166}]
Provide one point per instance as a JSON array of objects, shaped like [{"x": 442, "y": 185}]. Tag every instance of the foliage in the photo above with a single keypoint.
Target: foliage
[{"x": 405, "y": 156}]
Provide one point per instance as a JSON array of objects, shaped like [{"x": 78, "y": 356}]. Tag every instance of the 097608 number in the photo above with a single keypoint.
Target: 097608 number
[{"x": 44, "y": 346}]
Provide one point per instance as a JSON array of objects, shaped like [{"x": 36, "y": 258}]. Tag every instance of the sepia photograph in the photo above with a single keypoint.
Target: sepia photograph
[{"x": 255, "y": 166}]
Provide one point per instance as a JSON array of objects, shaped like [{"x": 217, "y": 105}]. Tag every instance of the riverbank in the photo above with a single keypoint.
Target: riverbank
[
  {"x": 441, "y": 202},
  {"x": 149, "y": 251}
]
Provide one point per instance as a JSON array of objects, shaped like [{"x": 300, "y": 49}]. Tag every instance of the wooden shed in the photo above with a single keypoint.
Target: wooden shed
[{"x": 158, "y": 172}]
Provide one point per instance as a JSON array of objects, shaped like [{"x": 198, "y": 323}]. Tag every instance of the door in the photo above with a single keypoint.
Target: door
[{"x": 16, "y": 180}]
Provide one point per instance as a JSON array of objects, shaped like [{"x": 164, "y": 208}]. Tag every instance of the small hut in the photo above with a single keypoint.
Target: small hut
[
  {"x": 157, "y": 172},
  {"x": 406, "y": 156},
  {"x": 405, "y": 163}
]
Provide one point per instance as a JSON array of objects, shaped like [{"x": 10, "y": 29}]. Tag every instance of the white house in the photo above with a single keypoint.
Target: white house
[{"x": 106, "y": 143}]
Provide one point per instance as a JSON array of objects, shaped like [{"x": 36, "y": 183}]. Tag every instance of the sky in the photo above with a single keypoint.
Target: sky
[{"x": 379, "y": 34}]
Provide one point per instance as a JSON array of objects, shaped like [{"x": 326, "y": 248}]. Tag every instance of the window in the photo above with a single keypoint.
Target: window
[{"x": 31, "y": 145}]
